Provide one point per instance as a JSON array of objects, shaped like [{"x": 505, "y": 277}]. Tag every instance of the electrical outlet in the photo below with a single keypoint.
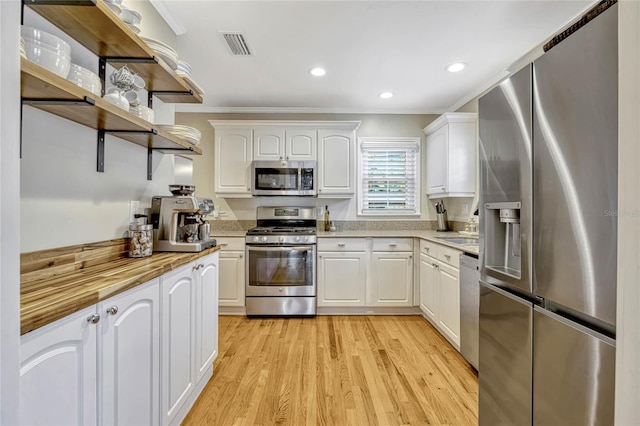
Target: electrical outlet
[{"x": 134, "y": 205}]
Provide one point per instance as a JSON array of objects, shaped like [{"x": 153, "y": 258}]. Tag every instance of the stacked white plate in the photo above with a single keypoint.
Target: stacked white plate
[
  {"x": 166, "y": 52},
  {"x": 114, "y": 5},
  {"x": 184, "y": 71},
  {"x": 47, "y": 50},
  {"x": 22, "y": 51},
  {"x": 183, "y": 68},
  {"x": 190, "y": 134},
  {"x": 86, "y": 79},
  {"x": 132, "y": 18}
]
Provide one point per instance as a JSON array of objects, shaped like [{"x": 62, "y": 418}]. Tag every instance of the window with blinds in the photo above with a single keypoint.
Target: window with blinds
[{"x": 389, "y": 176}]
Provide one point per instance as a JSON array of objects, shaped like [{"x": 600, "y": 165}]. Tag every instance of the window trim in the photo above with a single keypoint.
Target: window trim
[{"x": 389, "y": 142}]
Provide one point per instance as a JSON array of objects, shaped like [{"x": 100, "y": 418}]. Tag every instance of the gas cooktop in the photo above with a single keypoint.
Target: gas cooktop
[{"x": 270, "y": 230}]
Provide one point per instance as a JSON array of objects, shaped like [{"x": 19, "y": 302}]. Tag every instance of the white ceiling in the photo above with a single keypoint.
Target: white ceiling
[{"x": 367, "y": 47}]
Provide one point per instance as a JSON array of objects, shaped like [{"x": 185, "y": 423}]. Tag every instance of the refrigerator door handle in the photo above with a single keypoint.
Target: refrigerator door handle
[
  {"x": 505, "y": 293},
  {"x": 575, "y": 325}
]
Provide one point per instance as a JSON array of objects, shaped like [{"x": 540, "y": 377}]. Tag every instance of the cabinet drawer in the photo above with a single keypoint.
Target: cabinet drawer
[
  {"x": 449, "y": 256},
  {"x": 393, "y": 244},
  {"x": 231, "y": 243},
  {"x": 429, "y": 248},
  {"x": 341, "y": 244}
]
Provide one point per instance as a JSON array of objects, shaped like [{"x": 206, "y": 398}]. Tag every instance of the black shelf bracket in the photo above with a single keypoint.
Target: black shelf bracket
[
  {"x": 172, "y": 92},
  {"x": 100, "y": 159},
  {"x": 130, "y": 60},
  {"x": 149, "y": 163},
  {"x": 85, "y": 101}
]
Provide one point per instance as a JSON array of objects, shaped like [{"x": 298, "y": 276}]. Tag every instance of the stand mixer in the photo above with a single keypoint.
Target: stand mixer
[{"x": 177, "y": 221}]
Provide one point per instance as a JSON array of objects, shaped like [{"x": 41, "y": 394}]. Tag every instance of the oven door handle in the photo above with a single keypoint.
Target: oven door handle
[{"x": 279, "y": 248}]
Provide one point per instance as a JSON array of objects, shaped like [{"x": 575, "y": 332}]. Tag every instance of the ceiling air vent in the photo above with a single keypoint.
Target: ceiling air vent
[{"x": 237, "y": 43}]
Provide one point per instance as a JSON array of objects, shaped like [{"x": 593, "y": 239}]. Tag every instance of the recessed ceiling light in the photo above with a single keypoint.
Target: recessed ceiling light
[
  {"x": 456, "y": 67},
  {"x": 386, "y": 95},
  {"x": 318, "y": 72}
]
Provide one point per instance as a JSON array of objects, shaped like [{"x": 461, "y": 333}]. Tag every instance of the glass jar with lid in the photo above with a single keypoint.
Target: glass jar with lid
[{"x": 140, "y": 240}]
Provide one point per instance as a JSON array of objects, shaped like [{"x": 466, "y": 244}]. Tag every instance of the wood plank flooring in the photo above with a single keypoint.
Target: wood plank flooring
[{"x": 336, "y": 370}]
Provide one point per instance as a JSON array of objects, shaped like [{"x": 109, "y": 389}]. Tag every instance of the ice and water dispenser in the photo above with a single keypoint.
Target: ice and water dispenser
[{"x": 502, "y": 252}]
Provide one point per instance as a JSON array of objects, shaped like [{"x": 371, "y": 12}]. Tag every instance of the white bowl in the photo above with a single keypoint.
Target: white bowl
[
  {"x": 117, "y": 99},
  {"x": 130, "y": 16},
  {"x": 48, "y": 59},
  {"x": 143, "y": 112},
  {"x": 83, "y": 73},
  {"x": 91, "y": 85},
  {"x": 49, "y": 40}
]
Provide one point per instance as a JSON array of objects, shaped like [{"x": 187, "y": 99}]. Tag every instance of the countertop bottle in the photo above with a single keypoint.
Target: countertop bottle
[{"x": 327, "y": 224}]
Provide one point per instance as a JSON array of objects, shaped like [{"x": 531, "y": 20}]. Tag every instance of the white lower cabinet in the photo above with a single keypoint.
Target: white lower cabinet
[
  {"x": 189, "y": 334},
  {"x": 449, "y": 301},
  {"x": 342, "y": 278},
  {"x": 231, "y": 271},
  {"x": 206, "y": 314},
  {"x": 178, "y": 340},
  {"x": 129, "y": 330},
  {"x": 104, "y": 356},
  {"x": 133, "y": 359},
  {"x": 391, "y": 279},
  {"x": 428, "y": 287},
  {"x": 58, "y": 372},
  {"x": 350, "y": 274},
  {"x": 440, "y": 289}
]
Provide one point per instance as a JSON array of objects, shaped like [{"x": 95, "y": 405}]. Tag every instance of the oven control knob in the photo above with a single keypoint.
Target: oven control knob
[
  {"x": 305, "y": 239},
  {"x": 297, "y": 238},
  {"x": 264, "y": 239},
  {"x": 256, "y": 239},
  {"x": 281, "y": 240}
]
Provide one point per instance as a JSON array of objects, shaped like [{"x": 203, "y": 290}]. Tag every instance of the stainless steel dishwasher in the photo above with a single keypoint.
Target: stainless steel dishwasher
[{"x": 469, "y": 307}]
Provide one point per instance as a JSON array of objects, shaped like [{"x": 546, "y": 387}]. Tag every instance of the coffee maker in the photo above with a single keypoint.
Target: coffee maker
[{"x": 177, "y": 221}]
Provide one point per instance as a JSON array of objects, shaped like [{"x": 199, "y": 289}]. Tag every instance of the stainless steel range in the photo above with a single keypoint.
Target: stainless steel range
[{"x": 281, "y": 262}]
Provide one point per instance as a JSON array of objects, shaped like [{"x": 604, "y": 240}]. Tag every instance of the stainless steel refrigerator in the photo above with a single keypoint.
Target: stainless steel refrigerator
[{"x": 548, "y": 190}]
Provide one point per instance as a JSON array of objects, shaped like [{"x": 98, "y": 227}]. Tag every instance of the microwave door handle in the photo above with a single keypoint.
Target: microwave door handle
[
  {"x": 299, "y": 179},
  {"x": 263, "y": 249}
]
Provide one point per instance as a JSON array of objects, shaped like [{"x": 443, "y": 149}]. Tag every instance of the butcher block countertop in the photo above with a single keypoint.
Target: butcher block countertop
[{"x": 59, "y": 282}]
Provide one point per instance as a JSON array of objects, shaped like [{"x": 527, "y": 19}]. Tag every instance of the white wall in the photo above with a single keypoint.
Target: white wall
[
  {"x": 9, "y": 211},
  {"x": 64, "y": 201},
  {"x": 628, "y": 308},
  {"x": 373, "y": 125}
]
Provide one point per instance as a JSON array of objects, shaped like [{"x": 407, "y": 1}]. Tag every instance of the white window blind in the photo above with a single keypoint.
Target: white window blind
[{"x": 389, "y": 176}]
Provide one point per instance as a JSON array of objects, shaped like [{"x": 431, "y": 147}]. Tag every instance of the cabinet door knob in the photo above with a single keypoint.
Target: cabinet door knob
[
  {"x": 112, "y": 310},
  {"x": 241, "y": 256},
  {"x": 410, "y": 256},
  {"x": 287, "y": 157},
  {"x": 447, "y": 256},
  {"x": 224, "y": 244},
  {"x": 93, "y": 318},
  {"x": 341, "y": 244}
]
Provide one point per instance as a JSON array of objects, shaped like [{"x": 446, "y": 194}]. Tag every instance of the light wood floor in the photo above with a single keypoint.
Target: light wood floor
[{"x": 336, "y": 370}]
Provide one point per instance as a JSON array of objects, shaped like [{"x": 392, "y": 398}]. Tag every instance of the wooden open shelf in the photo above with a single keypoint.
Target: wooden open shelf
[
  {"x": 96, "y": 27},
  {"x": 47, "y": 91}
]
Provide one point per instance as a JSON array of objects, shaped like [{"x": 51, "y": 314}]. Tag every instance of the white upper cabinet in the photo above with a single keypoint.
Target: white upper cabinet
[
  {"x": 301, "y": 144},
  {"x": 279, "y": 144},
  {"x": 268, "y": 144},
  {"x": 331, "y": 143},
  {"x": 451, "y": 155},
  {"x": 233, "y": 162},
  {"x": 336, "y": 163}
]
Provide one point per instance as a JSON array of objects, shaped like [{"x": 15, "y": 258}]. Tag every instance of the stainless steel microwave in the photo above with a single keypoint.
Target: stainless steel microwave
[{"x": 279, "y": 178}]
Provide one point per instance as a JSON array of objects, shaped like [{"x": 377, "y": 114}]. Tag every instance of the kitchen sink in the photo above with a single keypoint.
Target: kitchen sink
[{"x": 459, "y": 240}]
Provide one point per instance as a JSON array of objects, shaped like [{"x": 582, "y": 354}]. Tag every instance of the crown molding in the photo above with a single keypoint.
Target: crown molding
[
  {"x": 313, "y": 124},
  {"x": 194, "y": 108},
  {"x": 176, "y": 26}
]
